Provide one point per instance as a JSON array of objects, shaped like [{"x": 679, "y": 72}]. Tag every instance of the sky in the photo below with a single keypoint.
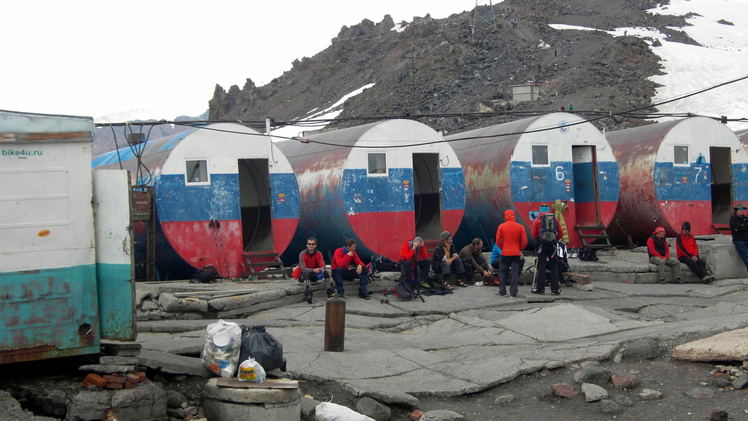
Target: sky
[{"x": 121, "y": 60}]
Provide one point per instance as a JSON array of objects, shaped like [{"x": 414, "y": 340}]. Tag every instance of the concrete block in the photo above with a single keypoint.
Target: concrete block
[
  {"x": 115, "y": 360},
  {"x": 238, "y": 395},
  {"x": 172, "y": 363},
  {"x": 172, "y": 304},
  {"x": 722, "y": 259},
  {"x": 216, "y": 410},
  {"x": 727, "y": 346}
]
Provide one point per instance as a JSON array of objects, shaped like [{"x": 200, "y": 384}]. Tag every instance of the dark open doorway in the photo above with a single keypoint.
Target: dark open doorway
[
  {"x": 584, "y": 162},
  {"x": 426, "y": 195},
  {"x": 721, "y": 172},
  {"x": 254, "y": 192}
]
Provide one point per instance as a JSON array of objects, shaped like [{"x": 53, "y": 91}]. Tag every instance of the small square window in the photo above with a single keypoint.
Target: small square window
[
  {"x": 680, "y": 155},
  {"x": 377, "y": 163},
  {"x": 197, "y": 172},
  {"x": 540, "y": 155}
]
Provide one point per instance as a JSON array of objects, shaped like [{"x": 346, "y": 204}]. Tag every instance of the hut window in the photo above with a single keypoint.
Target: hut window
[
  {"x": 377, "y": 163},
  {"x": 540, "y": 155},
  {"x": 680, "y": 155},
  {"x": 197, "y": 172}
]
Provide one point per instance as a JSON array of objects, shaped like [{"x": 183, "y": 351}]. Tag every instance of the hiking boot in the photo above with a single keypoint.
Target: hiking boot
[
  {"x": 707, "y": 279},
  {"x": 365, "y": 297},
  {"x": 679, "y": 280},
  {"x": 663, "y": 281},
  {"x": 538, "y": 292},
  {"x": 513, "y": 297},
  {"x": 556, "y": 292}
]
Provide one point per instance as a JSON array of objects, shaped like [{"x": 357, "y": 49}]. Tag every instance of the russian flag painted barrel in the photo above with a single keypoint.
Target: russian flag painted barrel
[
  {"x": 691, "y": 169},
  {"x": 220, "y": 190},
  {"x": 527, "y": 164},
  {"x": 380, "y": 184}
]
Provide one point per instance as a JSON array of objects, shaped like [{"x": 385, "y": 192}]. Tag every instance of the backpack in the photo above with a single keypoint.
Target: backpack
[
  {"x": 206, "y": 275},
  {"x": 403, "y": 291},
  {"x": 548, "y": 229},
  {"x": 381, "y": 263}
]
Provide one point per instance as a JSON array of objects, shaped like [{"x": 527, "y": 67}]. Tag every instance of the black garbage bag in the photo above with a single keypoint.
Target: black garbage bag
[{"x": 263, "y": 347}]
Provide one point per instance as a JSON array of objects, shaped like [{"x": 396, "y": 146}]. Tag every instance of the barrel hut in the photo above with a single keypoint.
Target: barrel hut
[
  {"x": 222, "y": 193},
  {"x": 691, "y": 169},
  {"x": 380, "y": 184},
  {"x": 526, "y": 165}
]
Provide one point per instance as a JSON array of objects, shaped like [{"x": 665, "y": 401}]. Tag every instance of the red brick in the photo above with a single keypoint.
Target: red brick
[
  {"x": 113, "y": 378},
  {"x": 115, "y": 385},
  {"x": 93, "y": 379},
  {"x": 142, "y": 375},
  {"x": 132, "y": 378},
  {"x": 415, "y": 415},
  {"x": 564, "y": 390}
]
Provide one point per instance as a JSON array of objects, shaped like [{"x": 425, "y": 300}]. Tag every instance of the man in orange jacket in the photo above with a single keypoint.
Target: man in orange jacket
[
  {"x": 659, "y": 255},
  {"x": 511, "y": 238}
]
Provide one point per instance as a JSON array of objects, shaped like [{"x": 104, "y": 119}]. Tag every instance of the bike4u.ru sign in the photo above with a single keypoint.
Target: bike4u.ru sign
[{"x": 20, "y": 153}]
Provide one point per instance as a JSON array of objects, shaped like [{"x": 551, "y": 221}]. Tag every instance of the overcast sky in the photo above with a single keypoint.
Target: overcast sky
[{"x": 160, "y": 59}]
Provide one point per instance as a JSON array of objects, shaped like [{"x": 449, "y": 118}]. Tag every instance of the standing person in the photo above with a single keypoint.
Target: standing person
[
  {"x": 476, "y": 267},
  {"x": 312, "y": 267},
  {"x": 446, "y": 260},
  {"x": 346, "y": 265},
  {"x": 547, "y": 231},
  {"x": 687, "y": 252},
  {"x": 739, "y": 231},
  {"x": 511, "y": 239},
  {"x": 414, "y": 261},
  {"x": 659, "y": 254}
]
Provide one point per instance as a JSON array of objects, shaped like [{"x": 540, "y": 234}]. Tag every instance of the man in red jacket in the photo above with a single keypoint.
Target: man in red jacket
[
  {"x": 347, "y": 265},
  {"x": 414, "y": 261},
  {"x": 311, "y": 266},
  {"x": 546, "y": 230},
  {"x": 659, "y": 254},
  {"x": 687, "y": 252},
  {"x": 511, "y": 238}
]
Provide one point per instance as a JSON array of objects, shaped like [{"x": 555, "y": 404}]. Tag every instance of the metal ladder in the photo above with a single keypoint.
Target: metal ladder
[
  {"x": 263, "y": 264},
  {"x": 593, "y": 240}
]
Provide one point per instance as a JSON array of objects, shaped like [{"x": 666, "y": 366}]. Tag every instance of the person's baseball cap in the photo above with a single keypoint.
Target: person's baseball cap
[{"x": 740, "y": 206}]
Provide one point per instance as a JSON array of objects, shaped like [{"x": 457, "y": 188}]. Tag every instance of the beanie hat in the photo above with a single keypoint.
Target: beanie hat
[
  {"x": 509, "y": 215},
  {"x": 417, "y": 239},
  {"x": 444, "y": 235},
  {"x": 659, "y": 229},
  {"x": 686, "y": 226}
]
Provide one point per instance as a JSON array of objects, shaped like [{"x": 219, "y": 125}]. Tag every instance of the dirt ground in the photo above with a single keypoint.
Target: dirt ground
[{"x": 533, "y": 398}]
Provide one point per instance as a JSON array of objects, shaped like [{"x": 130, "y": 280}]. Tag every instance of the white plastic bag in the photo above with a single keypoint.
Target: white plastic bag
[
  {"x": 328, "y": 411},
  {"x": 221, "y": 350},
  {"x": 251, "y": 371}
]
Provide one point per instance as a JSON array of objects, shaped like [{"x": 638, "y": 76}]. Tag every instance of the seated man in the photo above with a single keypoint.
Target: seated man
[
  {"x": 346, "y": 265},
  {"x": 659, "y": 254},
  {"x": 414, "y": 261},
  {"x": 687, "y": 252},
  {"x": 312, "y": 266},
  {"x": 446, "y": 260},
  {"x": 476, "y": 268}
]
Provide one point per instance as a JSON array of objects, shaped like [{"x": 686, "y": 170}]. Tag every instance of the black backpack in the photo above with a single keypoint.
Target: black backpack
[
  {"x": 206, "y": 275},
  {"x": 548, "y": 229},
  {"x": 381, "y": 263}
]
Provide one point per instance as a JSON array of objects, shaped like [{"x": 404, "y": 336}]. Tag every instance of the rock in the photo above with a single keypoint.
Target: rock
[
  {"x": 503, "y": 399},
  {"x": 650, "y": 394},
  {"x": 175, "y": 399},
  {"x": 727, "y": 346},
  {"x": 593, "y": 392},
  {"x": 373, "y": 409},
  {"x": 720, "y": 382},
  {"x": 88, "y": 405},
  {"x": 625, "y": 381},
  {"x": 564, "y": 390},
  {"x": 12, "y": 410},
  {"x": 172, "y": 304},
  {"x": 415, "y": 415},
  {"x": 107, "y": 368},
  {"x": 623, "y": 400},
  {"x": 592, "y": 374},
  {"x": 392, "y": 397},
  {"x": 145, "y": 401},
  {"x": 114, "y": 360},
  {"x": 609, "y": 406},
  {"x": 700, "y": 393},
  {"x": 718, "y": 415},
  {"x": 441, "y": 415},
  {"x": 740, "y": 382},
  {"x": 308, "y": 405},
  {"x": 641, "y": 349}
]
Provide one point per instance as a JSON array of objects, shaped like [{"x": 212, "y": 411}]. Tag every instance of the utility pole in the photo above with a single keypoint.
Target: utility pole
[{"x": 482, "y": 15}]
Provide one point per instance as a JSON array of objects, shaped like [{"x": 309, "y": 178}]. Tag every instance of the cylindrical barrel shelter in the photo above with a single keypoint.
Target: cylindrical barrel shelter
[
  {"x": 380, "y": 184},
  {"x": 528, "y": 164},
  {"x": 691, "y": 169},
  {"x": 221, "y": 191}
]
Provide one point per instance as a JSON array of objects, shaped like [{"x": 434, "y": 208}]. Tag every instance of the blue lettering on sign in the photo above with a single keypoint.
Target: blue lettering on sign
[{"x": 21, "y": 153}]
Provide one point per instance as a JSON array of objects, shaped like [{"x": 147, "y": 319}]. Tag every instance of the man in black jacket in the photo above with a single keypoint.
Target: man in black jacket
[
  {"x": 446, "y": 260},
  {"x": 739, "y": 231}
]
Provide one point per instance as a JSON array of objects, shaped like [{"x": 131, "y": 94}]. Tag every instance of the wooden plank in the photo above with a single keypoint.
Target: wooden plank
[{"x": 267, "y": 384}]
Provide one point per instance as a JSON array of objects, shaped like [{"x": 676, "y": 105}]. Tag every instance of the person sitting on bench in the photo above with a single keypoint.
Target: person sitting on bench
[
  {"x": 347, "y": 265},
  {"x": 476, "y": 267},
  {"x": 414, "y": 261},
  {"x": 687, "y": 252}
]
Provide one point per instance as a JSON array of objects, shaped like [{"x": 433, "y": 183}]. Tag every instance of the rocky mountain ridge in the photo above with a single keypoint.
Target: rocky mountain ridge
[{"x": 465, "y": 64}]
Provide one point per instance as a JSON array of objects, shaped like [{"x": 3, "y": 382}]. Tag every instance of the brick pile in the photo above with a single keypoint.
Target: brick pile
[{"x": 113, "y": 372}]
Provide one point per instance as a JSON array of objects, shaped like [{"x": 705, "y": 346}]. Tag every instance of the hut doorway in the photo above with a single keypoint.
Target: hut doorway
[
  {"x": 721, "y": 172},
  {"x": 426, "y": 195},
  {"x": 584, "y": 164},
  {"x": 254, "y": 193}
]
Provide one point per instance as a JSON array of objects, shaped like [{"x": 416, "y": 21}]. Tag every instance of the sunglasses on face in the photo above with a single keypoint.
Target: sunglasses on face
[{"x": 311, "y": 244}]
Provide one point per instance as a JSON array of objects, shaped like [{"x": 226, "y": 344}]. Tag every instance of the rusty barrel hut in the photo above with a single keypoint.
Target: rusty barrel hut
[
  {"x": 691, "y": 169},
  {"x": 527, "y": 164},
  {"x": 221, "y": 191},
  {"x": 379, "y": 183}
]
